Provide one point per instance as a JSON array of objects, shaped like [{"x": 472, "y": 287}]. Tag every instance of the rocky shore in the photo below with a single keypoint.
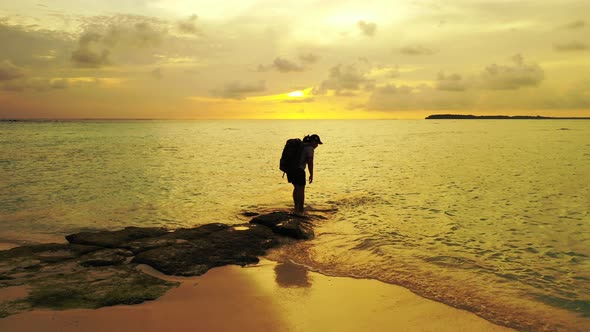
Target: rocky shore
[{"x": 97, "y": 269}]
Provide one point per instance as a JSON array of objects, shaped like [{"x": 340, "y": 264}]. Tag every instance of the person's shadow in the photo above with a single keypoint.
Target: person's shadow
[{"x": 288, "y": 274}]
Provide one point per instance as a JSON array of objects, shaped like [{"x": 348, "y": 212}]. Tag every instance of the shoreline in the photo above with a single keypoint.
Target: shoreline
[{"x": 269, "y": 296}]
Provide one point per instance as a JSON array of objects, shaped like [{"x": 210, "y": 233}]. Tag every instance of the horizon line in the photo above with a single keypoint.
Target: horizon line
[{"x": 480, "y": 117}]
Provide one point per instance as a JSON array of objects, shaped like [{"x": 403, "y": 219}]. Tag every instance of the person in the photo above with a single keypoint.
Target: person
[{"x": 298, "y": 176}]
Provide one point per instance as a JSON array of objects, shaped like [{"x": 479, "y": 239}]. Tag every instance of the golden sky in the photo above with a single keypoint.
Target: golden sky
[{"x": 293, "y": 59}]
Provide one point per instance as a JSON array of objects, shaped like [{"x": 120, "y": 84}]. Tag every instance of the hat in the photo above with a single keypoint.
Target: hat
[{"x": 315, "y": 138}]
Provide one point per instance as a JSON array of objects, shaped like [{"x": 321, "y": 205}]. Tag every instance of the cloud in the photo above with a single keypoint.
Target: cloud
[
  {"x": 105, "y": 34},
  {"x": 134, "y": 34},
  {"x": 421, "y": 97},
  {"x": 571, "y": 46},
  {"x": 390, "y": 89},
  {"x": 384, "y": 72},
  {"x": 345, "y": 93},
  {"x": 87, "y": 58},
  {"x": 300, "y": 100},
  {"x": 579, "y": 24},
  {"x": 59, "y": 83},
  {"x": 453, "y": 82},
  {"x": 367, "y": 28},
  {"x": 578, "y": 95},
  {"x": 27, "y": 45},
  {"x": 35, "y": 84},
  {"x": 370, "y": 86},
  {"x": 403, "y": 98},
  {"x": 8, "y": 71},
  {"x": 495, "y": 87},
  {"x": 309, "y": 58},
  {"x": 189, "y": 26},
  {"x": 416, "y": 50},
  {"x": 342, "y": 79},
  {"x": 87, "y": 55},
  {"x": 509, "y": 77},
  {"x": 128, "y": 30},
  {"x": 494, "y": 77},
  {"x": 144, "y": 34},
  {"x": 283, "y": 66},
  {"x": 157, "y": 73},
  {"x": 237, "y": 89}
]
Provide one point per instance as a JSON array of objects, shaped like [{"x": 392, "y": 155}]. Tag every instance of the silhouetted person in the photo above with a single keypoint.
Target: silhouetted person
[{"x": 297, "y": 177}]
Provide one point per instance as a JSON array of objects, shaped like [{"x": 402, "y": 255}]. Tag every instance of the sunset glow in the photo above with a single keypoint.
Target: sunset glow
[
  {"x": 346, "y": 59},
  {"x": 295, "y": 94}
]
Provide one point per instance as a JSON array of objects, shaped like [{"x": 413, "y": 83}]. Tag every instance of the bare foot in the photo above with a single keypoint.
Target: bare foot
[{"x": 298, "y": 213}]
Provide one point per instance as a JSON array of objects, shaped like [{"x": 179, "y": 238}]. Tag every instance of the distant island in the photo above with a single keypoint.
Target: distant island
[{"x": 499, "y": 117}]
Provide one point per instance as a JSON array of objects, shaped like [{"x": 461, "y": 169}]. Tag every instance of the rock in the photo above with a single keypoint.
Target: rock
[
  {"x": 149, "y": 243},
  {"x": 105, "y": 257},
  {"x": 108, "y": 239},
  {"x": 300, "y": 229},
  {"x": 234, "y": 245},
  {"x": 65, "y": 284},
  {"x": 49, "y": 251},
  {"x": 28, "y": 259},
  {"x": 198, "y": 232},
  {"x": 96, "y": 287},
  {"x": 183, "y": 259},
  {"x": 272, "y": 219},
  {"x": 287, "y": 224}
]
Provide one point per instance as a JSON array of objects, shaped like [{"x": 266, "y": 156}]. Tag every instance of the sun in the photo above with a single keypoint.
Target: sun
[
  {"x": 296, "y": 94},
  {"x": 293, "y": 96}
]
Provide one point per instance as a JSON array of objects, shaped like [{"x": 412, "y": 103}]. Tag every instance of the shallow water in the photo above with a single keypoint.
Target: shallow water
[{"x": 487, "y": 215}]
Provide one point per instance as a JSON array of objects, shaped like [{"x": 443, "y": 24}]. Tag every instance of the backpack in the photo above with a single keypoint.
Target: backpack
[{"x": 291, "y": 155}]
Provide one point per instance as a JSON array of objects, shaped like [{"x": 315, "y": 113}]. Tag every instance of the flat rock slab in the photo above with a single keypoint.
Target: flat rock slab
[
  {"x": 105, "y": 257},
  {"x": 114, "y": 239},
  {"x": 238, "y": 245},
  {"x": 287, "y": 224}
]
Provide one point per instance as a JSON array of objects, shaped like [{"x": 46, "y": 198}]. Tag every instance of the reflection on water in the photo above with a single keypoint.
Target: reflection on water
[
  {"x": 288, "y": 274},
  {"x": 491, "y": 216}
]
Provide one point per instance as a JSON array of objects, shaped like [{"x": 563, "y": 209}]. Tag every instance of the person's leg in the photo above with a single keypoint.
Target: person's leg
[
  {"x": 297, "y": 178},
  {"x": 295, "y": 205},
  {"x": 299, "y": 198}
]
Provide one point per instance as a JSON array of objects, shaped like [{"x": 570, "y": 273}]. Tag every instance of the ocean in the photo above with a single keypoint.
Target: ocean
[{"x": 491, "y": 216}]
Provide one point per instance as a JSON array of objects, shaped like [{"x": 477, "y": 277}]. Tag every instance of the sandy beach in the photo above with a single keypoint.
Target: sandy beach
[{"x": 269, "y": 296}]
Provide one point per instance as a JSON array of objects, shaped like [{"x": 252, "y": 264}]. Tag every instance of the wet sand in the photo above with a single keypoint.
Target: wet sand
[{"x": 266, "y": 297}]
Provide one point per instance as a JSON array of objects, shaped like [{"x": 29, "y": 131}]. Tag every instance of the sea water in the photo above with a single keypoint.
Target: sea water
[{"x": 487, "y": 215}]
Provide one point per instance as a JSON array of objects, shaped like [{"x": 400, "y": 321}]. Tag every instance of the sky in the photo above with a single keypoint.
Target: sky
[{"x": 267, "y": 59}]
